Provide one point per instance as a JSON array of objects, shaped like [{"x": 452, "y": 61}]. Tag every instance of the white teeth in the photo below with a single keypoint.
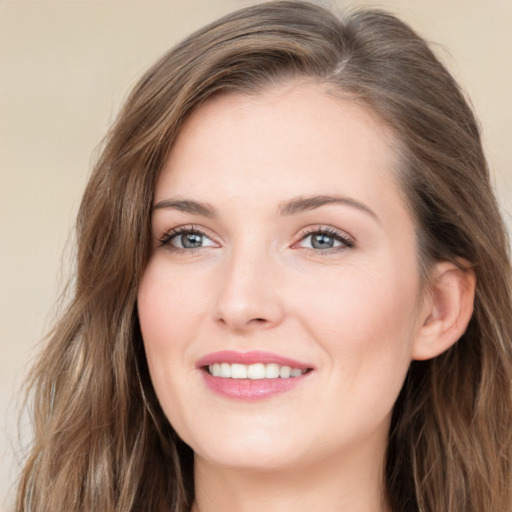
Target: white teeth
[
  {"x": 238, "y": 371},
  {"x": 225, "y": 370},
  {"x": 255, "y": 371},
  {"x": 285, "y": 372},
  {"x": 272, "y": 371}
]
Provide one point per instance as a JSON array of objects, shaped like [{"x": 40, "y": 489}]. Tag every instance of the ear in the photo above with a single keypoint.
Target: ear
[{"x": 447, "y": 309}]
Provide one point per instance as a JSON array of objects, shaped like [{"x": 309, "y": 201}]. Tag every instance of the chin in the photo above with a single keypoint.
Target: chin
[
  {"x": 251, "y": 450},
  {"x": 255, "y": 460}
]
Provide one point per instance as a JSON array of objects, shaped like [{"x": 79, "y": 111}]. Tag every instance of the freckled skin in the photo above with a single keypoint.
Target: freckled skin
[{"x": 257, "y": 283}]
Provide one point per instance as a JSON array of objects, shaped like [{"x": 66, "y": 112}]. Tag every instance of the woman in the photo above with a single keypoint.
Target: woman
[{"x": 292, "y": 289}]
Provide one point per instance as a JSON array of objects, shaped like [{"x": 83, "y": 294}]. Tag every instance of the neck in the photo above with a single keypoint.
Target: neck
[{"x": 349, "y": 485}]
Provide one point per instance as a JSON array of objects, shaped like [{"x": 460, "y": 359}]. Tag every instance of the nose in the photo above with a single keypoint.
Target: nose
[{"x": 250, "y": 291}]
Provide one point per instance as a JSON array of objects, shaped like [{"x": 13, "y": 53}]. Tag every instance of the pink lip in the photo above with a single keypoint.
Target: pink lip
[
  {"x": 256, "y": 356},
  {"x": 248, "y": 389}
]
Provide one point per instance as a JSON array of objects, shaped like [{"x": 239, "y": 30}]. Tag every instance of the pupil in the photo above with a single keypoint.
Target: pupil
[
  {"x": 321, "y": 241},
  {"x": 191, "y": 240}
]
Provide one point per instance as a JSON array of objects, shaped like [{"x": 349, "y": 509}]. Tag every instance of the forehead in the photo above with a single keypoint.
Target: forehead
[{"x": 293, "y": 139}]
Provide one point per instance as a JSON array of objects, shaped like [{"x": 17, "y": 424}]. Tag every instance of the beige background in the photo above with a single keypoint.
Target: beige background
[{"x": 65, "y": 67}]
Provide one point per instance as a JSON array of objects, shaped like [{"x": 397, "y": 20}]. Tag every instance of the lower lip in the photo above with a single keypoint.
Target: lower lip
[{"x": 249, "y": 389}]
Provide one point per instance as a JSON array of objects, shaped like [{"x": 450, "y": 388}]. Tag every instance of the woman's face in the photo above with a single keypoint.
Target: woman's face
[{"x": 284, "y": 262}]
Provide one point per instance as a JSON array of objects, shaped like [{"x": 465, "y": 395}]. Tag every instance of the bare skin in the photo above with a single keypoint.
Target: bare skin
[{"x": 279, "y": 227}]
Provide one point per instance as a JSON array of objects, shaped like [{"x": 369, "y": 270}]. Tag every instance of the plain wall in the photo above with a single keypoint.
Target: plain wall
[{"x": 66, "y": 66}]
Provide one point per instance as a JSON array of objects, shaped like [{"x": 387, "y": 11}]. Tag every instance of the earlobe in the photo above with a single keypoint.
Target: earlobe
[{"x": 448, "y": 309}]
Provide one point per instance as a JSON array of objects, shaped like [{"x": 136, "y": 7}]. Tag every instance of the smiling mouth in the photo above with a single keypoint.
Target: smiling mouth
[{"x": 256, "y": 371}]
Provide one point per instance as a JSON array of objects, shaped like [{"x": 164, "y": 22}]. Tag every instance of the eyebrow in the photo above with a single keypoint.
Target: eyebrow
[
  {"x": 305, "y": 203},
  {"x": 291, "y": 207},
  {"x": 187, "y": 206}
]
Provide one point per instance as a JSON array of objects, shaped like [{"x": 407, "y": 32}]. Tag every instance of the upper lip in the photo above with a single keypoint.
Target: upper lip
[{"x": 247, "y": 358}]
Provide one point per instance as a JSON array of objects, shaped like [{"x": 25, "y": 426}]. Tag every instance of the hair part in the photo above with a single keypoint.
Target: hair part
[{"x": 101, "y": 441}]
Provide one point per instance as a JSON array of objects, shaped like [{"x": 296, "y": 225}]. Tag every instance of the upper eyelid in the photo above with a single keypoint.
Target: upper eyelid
[
  {"x": 187, "y": 228},
  {"x": 169, "y": 234},
  {"x": 321, "y": 228},
  {"x": 343, "y": 241},
  {"x": 346, "y": 240},
  {"x": 302, "y": 233}
]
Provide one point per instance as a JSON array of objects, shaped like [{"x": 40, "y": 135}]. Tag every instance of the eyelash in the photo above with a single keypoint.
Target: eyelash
[
  {"x": 346, "y": 241},
  {"x": 167, "y": 238}
]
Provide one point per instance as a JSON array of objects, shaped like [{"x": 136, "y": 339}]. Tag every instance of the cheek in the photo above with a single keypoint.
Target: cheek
[
  {"x": 169, "y": 308},
  {"x": 358, "y": 301},
  {"x": 366, "y": 324},
  {"x": 168, "y": 317}
]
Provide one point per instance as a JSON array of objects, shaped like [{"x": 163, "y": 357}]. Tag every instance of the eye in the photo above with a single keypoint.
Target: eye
[
  {"x": 325, "y": 240},
  {"x": 187, "y": 239}
]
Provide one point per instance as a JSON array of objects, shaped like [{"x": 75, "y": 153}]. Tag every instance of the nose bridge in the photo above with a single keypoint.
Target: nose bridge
[{"x": 248, "y": 295}]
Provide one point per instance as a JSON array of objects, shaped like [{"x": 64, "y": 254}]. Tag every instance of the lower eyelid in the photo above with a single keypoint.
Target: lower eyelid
[
  {"x": 167, "y": 238},
  {"x": 338, "y": 246},
  {"x": 342, "y": 238}
]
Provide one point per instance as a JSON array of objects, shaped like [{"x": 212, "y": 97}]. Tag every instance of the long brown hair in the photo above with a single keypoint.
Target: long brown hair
[{"x": 101, "y": 441}]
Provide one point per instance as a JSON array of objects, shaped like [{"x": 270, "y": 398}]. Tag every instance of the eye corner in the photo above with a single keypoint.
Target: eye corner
[
  {"x": 328, "y": 240},
  {"x": 198, "y": 239}
]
